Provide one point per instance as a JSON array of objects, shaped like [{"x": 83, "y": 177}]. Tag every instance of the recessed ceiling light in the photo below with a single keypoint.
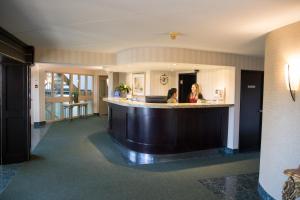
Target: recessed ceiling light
[{"x": 174, "y": 64}]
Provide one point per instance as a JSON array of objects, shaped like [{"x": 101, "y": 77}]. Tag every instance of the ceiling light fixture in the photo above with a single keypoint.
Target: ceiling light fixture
[
  {"x": 292, "y": 78},
  {"x": 173, "y": 35}
]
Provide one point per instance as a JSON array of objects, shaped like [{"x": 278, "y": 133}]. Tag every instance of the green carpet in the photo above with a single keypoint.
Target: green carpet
[{"x": 77, "y": 160}]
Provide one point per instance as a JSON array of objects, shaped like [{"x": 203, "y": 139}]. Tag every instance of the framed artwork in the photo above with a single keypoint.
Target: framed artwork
[{"x": 138, "y": 84}]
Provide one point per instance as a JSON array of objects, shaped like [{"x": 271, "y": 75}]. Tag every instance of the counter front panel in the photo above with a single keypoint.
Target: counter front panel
[{"x": 164, "y": 131}]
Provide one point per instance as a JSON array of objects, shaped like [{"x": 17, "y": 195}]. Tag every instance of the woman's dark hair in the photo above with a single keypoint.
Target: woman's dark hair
[{"x": 171, "y": 92}]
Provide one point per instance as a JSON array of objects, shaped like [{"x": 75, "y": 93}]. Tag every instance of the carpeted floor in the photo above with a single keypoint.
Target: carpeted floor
[{"x": 78, "y": 160}]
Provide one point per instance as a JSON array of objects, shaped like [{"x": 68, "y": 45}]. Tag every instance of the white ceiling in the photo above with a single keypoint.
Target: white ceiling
[{"x": 236, "y": 26}]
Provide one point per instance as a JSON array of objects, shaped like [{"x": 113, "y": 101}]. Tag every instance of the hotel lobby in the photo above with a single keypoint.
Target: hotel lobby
[{"x": 150, "y": 100}]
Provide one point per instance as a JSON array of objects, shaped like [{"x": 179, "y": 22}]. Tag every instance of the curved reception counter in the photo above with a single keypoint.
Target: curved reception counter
[{"x": 161, "y": 128}]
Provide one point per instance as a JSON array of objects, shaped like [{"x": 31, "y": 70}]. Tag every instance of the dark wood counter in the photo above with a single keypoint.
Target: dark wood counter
[{"x": 168, "y": 130}]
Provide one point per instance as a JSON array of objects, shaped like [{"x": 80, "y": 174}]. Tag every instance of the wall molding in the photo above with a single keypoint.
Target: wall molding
[
  {"x": 12, "y": 47},
  {"x": 73, "y": 57},
  {"x": 147, "y": 54},
  {"x": 182, "y": 55}
]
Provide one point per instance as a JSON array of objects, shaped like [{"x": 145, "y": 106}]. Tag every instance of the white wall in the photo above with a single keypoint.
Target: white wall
[
  {"x": 35, "y": 99},
  {"x": 211, "y": 80},
  {"x": 280, "y": 147}
]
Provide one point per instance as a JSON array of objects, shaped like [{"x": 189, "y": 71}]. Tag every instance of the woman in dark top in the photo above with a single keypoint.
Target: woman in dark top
[
  {"x": 172, "y": 94},
  {"x": 195, "y": 94}
]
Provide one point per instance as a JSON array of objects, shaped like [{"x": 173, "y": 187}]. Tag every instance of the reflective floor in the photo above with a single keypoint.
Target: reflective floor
[
  {"x": 239, "y": 187},
  {"x": 135, "y": 158}
]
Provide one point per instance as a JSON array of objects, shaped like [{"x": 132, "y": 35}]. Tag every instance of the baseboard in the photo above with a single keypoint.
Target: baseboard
[
  {"x": 263, "y": 194},
  {"x": 39, "y": 124},
  {"x": 228, "y": 151}
]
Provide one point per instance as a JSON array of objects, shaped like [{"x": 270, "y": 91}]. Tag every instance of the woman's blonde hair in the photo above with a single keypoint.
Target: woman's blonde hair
[{"x": 197, "y": 88}]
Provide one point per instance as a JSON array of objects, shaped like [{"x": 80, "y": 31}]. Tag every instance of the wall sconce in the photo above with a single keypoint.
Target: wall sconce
[{"x": 292, "y": 78}]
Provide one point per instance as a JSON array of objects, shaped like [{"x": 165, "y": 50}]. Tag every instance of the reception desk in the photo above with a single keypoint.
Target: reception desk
[{"x": 161, "y": 128}]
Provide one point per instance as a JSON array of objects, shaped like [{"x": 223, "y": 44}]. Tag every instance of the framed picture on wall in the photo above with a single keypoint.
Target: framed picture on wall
[{"x": 138, "y": 84}]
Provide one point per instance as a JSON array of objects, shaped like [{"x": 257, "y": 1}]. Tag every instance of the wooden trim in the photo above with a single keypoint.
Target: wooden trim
[{"x": 12, "y": 47}]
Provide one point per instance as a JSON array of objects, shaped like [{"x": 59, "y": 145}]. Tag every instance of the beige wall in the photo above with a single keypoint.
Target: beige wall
[
  {"x": 156, "y": 87},
  {"x": 280, "y": 148},
  {"x": 181, "y": 55},
  {"x": 65, "y": 56}
]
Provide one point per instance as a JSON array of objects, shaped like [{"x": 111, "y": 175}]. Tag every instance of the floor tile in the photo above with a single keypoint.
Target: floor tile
[{"x": 239, "y": 187}]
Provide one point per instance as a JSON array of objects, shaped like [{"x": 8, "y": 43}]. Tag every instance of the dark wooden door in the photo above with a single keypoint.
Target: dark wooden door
[
  {"x": 15, "y": 108},
  {"x": 251, "y": 110},
  {"x": 185, "y": 83}
]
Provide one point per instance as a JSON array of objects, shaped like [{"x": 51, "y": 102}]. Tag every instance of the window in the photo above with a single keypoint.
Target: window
[
  {"x": 75, "y": 82},
  {"x": 57, "y": 111},
  {"x": 57, "y": 83},
  {"x": 48, "y": 85},
  {"x": 48, "y": 111},
  {"x": 82, "y": 85},
  {"x": 58, "y": 89},
  {"x": 66, "y": 88},
  {"x": 90, "y": 107},
  {"x": 89, "y": 85}
]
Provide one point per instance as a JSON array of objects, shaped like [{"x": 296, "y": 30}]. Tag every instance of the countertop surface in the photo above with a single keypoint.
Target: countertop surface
[{"x": 130, "y": 103}]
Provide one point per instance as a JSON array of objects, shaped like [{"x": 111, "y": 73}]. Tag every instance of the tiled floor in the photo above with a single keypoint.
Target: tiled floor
[{"x": 239, "y": 187}]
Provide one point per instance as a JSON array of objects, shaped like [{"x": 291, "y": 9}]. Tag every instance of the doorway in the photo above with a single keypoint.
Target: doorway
[
  {"x": 185, "y": 83},
  {"x": 103, "y": 93},
  {"x": 251, "y": 110}
]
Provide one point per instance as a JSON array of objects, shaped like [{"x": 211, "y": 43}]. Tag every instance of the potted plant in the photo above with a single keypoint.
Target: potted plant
[
  {"x": 75, "y": 95},
  {"x": 123, "y": 90}
]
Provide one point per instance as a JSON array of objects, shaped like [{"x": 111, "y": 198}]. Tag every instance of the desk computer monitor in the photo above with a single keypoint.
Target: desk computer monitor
[{"x": 156, "y": 99}]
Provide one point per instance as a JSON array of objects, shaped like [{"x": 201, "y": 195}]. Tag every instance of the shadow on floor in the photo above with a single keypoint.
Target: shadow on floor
[{"x": 112, "y": 152}]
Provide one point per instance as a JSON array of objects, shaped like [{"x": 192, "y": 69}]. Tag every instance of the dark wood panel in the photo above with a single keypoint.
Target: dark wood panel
[
  {"x": 14, "y": 140},
  {"x": 251, "y": 109},
  {"x": 15, "y": 130},
  {"x": 153, "y": 130},
  {"x": 15, "y": 49},
  {"x": 15, "y": 136}
]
